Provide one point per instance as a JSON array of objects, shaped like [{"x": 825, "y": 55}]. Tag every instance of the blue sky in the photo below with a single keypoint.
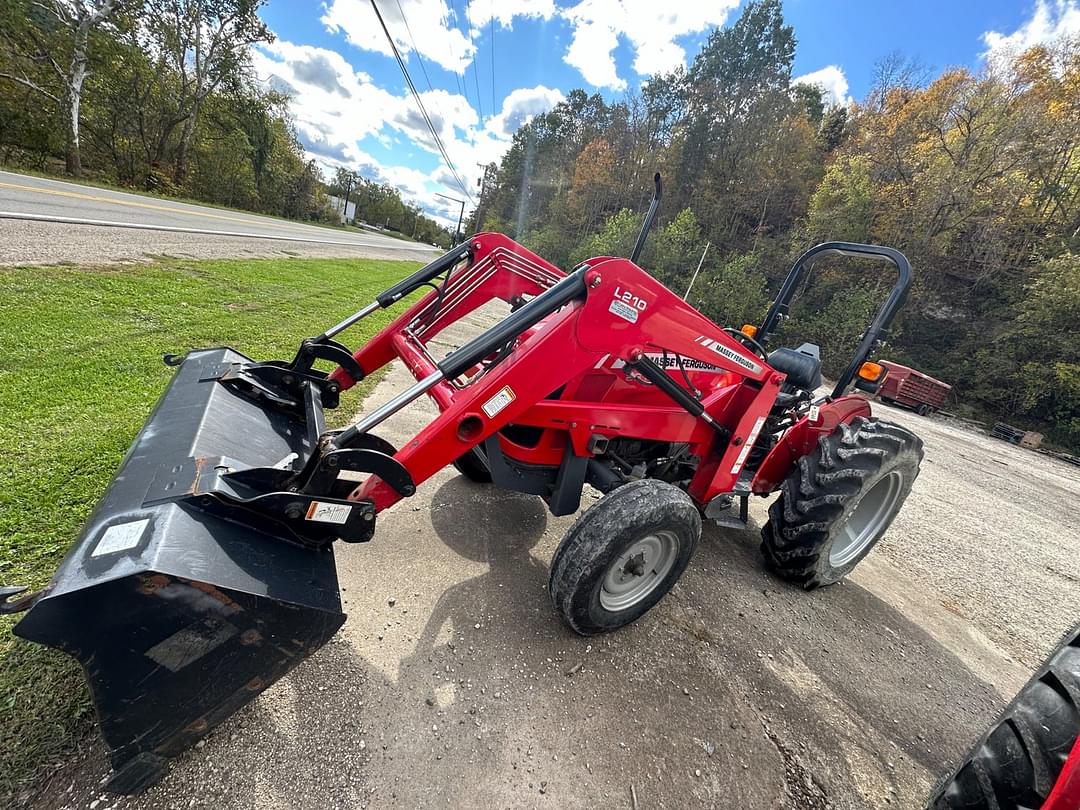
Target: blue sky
[{"x": 485, "y": 66}]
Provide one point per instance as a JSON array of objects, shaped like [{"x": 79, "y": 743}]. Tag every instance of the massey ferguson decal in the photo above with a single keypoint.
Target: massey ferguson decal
[
  {"x": 670, "y": 361},
  {"x": 734, "y": 356}
]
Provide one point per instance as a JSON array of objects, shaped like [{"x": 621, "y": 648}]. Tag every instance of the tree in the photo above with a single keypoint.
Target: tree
[
  {"x": 733, "y": 292},
  {"x": 843, "y": 205},
  {"x": 740, "y": 103},
  {"x": 833, "y": 130},
  {"x": 205, "y": 43},
  {"x": 812, "y": 100},
  {"x": 1037, "y": 358},
  {"x": 62, "y": 42}
]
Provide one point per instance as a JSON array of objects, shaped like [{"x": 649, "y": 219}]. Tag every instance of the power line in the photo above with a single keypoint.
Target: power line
[
  {"x": 416, "y": 50},
  {"x": 462, "y": 85},
  {"x": 476, "y": 78},
  {"x": 419, "y": 103},
  {"x": 419, "y": 56},
  {"x": 491, "y": 28}
]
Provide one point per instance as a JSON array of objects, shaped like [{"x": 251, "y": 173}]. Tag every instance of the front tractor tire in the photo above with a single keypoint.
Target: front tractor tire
[
  {"x": 623, "y": 555},
  {"x": 838, "y": 502}
]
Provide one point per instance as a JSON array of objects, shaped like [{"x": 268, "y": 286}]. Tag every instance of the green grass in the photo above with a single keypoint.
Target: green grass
[{"x": 80, "y": 371}]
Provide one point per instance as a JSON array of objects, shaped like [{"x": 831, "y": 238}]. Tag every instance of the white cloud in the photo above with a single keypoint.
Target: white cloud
[
  {"x": 335, "y": 107},
  {"x": 1051, "y": 20},
  {"x": 650, "y": 27},
  {"x": 331, "y": 102},
  {"x": 504, "y": 11},
  {"x": 520, "y": 106},
  {"x": 433, "y": 25},
  {"x": 428, "y": 21},
  {"x": 831, "y": 81}
]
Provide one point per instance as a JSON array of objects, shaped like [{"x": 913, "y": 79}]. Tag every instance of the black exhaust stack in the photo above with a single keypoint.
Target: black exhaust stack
[{"x": 650, "y": 217}]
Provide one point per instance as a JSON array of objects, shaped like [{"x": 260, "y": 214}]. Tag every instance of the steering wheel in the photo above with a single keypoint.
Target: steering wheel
[{"x": 748, "y": 341}]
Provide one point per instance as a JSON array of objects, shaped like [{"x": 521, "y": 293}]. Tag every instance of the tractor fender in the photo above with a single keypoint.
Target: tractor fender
[{"x": 802, "y": 438}]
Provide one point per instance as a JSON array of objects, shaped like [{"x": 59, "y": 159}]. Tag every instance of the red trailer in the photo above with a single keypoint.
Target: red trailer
[{"x": 912, "y": 389}]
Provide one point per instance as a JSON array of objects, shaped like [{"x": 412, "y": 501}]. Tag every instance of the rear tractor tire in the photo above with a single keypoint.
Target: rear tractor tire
[
  {"x": 839, "y": 501},
  {"x": 623, "y": 555},
  {"x": 473, "y": 466}
]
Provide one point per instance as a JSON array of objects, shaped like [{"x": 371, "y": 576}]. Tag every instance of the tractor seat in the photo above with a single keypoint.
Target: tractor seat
[{"x": 802, "y": 365}]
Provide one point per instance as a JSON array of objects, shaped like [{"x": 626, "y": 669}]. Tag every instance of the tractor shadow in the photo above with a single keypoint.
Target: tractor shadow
[
  {"x": 500, "y": 532},
  {"x": 864, "y": 694}
]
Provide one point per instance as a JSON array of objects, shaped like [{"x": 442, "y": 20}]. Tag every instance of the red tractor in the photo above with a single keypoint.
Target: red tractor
[{"x": 212, "y": 547}]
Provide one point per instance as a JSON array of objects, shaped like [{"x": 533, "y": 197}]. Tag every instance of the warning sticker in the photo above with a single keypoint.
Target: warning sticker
[
  {"x": 815, "y": 412},
  {"x": 747, "y": 445},
  {"x": 329, "y": 512},
  {"x": 624, "y": 311},
  {"x": 121, "y": 537},
  {"x": 499, "y": 401}
]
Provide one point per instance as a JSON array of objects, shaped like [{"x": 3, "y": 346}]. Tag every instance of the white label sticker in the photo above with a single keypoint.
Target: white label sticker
[
  {"x": 734, "y": 356},
  {"x": 499, "y": 401},
  {"x": 352, "y": 475},
  {"x": 329, "y": 512},
  {"x": 121, "y": 537},
  {"x": 747, "y": 445},
  {"x": 815, "y": 412},
  {"x": 624, "y": 311}
]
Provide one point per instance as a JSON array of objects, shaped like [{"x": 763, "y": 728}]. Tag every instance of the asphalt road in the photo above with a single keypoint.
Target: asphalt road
[
  {"x": 44, "y": 220},
  {"x": 454, "y": 684}
]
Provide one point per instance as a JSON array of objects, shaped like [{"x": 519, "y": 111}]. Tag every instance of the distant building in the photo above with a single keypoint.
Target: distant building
[{"x": 338, "y": 204}]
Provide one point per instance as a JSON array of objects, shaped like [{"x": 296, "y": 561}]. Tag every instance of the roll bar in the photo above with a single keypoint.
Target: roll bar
[{"x": 882, "y": 320}]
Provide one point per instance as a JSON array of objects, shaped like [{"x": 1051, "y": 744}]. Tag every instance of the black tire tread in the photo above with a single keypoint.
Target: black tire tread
[
  {"x": 1016, "y": 762},
  {"x": 639, "y": 504},
  {"x": 818, "y": 490}
]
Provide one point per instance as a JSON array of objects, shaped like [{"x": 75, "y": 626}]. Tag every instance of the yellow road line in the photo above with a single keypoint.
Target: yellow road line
[{"x": 132, "y": 204}]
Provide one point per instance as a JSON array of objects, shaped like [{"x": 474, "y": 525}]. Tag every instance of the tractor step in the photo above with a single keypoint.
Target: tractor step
[{"x": 719, "y": 511}]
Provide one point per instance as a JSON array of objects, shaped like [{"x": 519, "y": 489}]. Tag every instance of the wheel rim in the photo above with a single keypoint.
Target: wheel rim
[
  {"x": 639, "y": 570},
  {"x": 867, "y": 521}
]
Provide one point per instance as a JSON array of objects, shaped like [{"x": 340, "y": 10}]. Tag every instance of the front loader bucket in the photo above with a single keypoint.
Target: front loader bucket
[{"x": 179, "y": 611}]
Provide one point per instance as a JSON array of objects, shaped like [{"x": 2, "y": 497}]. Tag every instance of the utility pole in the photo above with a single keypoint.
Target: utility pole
[
  {"x": 348, "y": 191},
  {"x": 457, "y": 233},
  {"x": 482, "y": 182}
]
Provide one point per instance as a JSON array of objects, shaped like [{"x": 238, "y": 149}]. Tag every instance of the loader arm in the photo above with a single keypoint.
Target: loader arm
[
  {"x": 491, "y": 267},
  {"x": 607, "y": 310}
]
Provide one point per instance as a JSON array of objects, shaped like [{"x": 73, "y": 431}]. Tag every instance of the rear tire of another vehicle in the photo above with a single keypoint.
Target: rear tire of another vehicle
[
  {"x": 839, "y": 501},
  {"x": 1016, "y": 763},
  {"x": 924, "y": 409},
  {"x": 623, "y": 555},
  {"x": 473, "y": 466}
]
